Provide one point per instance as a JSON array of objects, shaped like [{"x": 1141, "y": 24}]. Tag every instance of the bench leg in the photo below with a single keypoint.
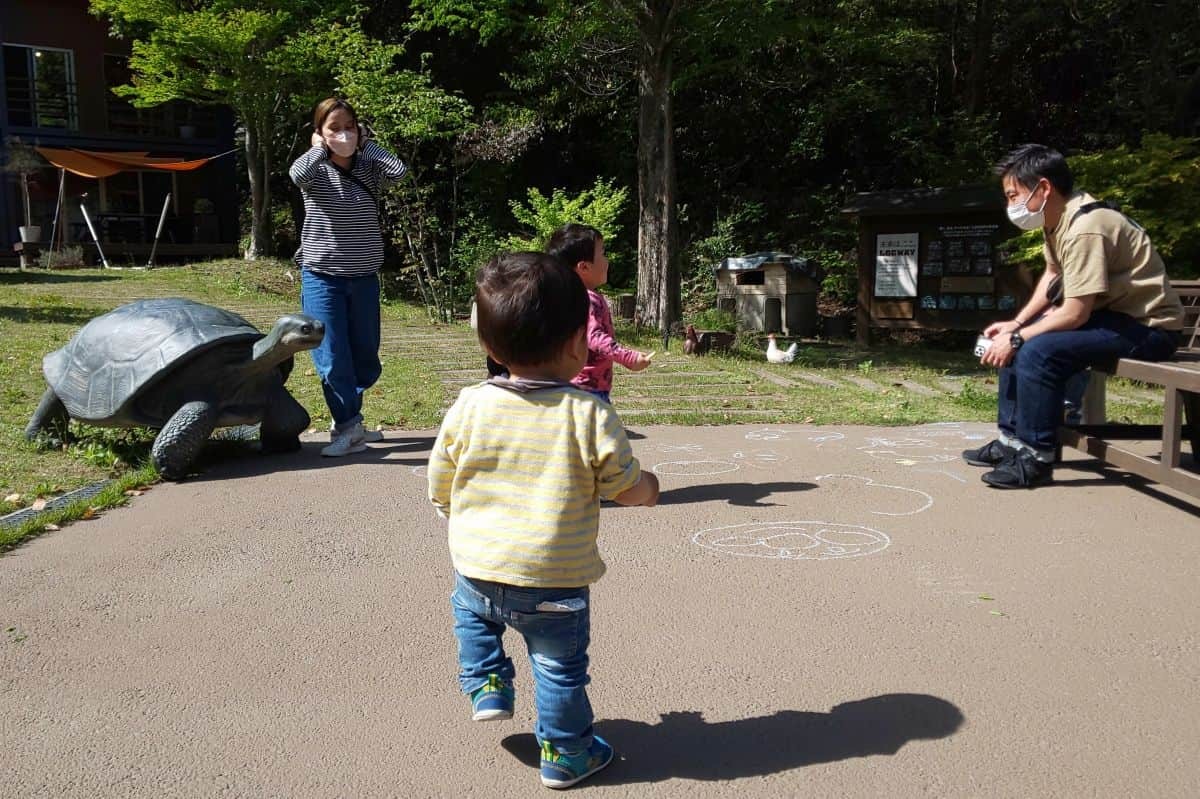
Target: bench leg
[
  {"x": 1191, "y": 412},
  {"x": 1095, "y": 398}
]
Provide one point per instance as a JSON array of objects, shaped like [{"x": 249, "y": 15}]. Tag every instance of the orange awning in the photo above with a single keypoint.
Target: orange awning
[{"x": 97, "y": 164}]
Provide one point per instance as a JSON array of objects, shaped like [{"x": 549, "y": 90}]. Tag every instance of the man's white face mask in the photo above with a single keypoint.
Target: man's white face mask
[
  {"x": 1020, "y": 215},
  {"x": 342, "y": 143}
]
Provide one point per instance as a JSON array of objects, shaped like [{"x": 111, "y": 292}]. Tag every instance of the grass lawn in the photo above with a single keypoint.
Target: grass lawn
[{"x": 425, "y": 364}]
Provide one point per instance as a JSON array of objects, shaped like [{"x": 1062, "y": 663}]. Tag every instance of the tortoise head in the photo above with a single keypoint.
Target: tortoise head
[{"x": 291, "y": 334}]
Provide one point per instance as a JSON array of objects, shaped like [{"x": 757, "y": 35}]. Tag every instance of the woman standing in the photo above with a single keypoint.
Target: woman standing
[{"x": 341, "y": 250}]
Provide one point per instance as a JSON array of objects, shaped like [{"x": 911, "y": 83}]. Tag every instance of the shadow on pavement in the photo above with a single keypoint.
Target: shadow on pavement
[
  {"x": 1108, "y": 476},
  {"x": 748, "y": 495},
  {"x": 235, "y": 460},
  {"x": 683, "y": 746}
]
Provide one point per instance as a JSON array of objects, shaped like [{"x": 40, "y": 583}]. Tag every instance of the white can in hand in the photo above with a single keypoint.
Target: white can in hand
[{"x": 982, "y": 345}]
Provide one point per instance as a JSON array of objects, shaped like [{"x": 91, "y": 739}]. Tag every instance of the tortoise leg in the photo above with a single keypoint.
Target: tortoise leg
[
  {"x": 283, "y": 423},
  {"x": 51, "y": 417},
  {"x": 182, "y": 438}
]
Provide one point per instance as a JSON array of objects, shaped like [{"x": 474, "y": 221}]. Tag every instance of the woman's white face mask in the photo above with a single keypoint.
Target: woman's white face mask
[
  {"x": 1020, "y": 215},
  {"x": 342, "y": 143}
]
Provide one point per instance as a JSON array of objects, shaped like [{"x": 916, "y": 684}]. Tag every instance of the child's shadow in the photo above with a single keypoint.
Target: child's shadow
[
  {"x": 683, "y": 746},
  {"x": 747, "y": 495}
]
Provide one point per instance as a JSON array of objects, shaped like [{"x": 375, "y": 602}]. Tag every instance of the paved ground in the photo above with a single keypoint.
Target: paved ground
[{"x": 809, "y": 612}]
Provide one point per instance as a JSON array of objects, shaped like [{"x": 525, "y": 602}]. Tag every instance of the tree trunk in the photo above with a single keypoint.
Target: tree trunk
[
  {"x": 258, "y": 166},
  {"x": 658, "y": 292},
  {"x": 981, "y": 56}
]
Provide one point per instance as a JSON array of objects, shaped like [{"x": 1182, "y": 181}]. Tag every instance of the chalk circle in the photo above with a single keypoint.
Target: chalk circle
[
  {"x": 694, "y": 468},
  {"x": 804, "y": 540},
  {"x": 818, "y": 436}
]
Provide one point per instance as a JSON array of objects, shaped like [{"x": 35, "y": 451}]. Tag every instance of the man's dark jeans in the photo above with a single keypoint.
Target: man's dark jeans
[{"x": 1032, "y": 386}]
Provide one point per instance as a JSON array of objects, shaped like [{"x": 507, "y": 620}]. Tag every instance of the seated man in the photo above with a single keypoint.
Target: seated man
[{"x": 1115, "y": 303}]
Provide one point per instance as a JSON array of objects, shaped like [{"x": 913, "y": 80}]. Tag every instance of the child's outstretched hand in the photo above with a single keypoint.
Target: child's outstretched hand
[
  {"x": 641, "y": 362},
  {"x": 644, "y": 493}
]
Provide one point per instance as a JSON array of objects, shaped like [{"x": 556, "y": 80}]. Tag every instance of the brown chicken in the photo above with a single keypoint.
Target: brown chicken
[{"x": 690, "y": 342}]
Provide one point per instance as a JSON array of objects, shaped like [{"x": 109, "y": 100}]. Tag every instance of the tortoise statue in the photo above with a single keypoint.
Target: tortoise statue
[{"x": 182, "y": 367}]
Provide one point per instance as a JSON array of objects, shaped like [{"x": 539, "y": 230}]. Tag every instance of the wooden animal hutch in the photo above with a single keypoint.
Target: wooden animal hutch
[{"x": 770, "y": 292}]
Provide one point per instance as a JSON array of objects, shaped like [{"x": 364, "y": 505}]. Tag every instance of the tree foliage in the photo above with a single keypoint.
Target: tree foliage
[{"x": 772, "y": 112}]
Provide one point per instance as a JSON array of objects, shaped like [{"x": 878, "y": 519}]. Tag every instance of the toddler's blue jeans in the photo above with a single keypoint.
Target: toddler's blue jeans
[{"x": 557, "y": 640}]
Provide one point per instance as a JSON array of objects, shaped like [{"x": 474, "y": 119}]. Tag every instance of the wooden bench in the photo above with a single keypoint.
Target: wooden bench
[{"x": 1180, "y": 379}]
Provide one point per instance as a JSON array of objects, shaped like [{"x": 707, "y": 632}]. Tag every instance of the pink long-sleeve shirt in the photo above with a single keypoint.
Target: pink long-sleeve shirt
[{"x": 603, "y": 349}]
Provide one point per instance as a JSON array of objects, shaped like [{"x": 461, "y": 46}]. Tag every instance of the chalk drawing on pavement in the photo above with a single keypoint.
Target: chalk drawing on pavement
[
  {"x": 911, "y": 496},
  {"x": 813, "y": 434},
  {"x": 697, "y": 468},
  {"x": 797, "y": 540}
]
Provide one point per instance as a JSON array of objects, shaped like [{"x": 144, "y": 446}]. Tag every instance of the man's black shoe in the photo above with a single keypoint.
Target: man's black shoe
[
  {"x": 1021, "y": 470},
  {"x": 992, "y": 453}
]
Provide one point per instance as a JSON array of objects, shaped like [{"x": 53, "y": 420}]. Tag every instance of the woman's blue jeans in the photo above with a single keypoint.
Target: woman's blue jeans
[
  {"x": 557, "y": 640},
  {"x": 348, "y": 359},
  {"x": 1033, "y": 385}
]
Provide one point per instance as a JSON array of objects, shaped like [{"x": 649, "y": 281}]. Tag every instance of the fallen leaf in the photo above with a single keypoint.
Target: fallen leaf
[
  {"x": 38, "y": 504},
  {"x": 133, "y": 492},
  {"x": 807, "y": 420},
  {"x": 90, "y": 513},
  {"x": 995, "y": 613},
  {"x": 985, "y": 596},
  {"x": 13, "y": 498},
  {"x": 54, "y": 528}
]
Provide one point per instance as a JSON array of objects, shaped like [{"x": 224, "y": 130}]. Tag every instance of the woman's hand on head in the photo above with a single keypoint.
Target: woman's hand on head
[{"x": 317, "y": 141}]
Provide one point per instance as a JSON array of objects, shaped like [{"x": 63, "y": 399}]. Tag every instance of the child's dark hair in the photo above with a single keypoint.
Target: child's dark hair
[
  {"x": 574, "y": 243},
  {"x": 1030, "y": 162},
  {"x": 528, "y": 306}
]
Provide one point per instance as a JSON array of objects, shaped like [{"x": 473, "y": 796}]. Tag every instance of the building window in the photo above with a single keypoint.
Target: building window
[
  {"x": 175, "y": 119},
  {"x": 40, "y": 85},
  {"x": 755, "y": 278},
  {"x": 130, "y": 204}
]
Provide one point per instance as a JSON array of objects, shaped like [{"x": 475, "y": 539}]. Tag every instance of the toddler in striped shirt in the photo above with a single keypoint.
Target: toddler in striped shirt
[{"x": 519, "y": 468}]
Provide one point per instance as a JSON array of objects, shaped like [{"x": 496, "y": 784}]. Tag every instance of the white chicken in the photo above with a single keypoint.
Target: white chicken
[{"x": 776, "y": 355}]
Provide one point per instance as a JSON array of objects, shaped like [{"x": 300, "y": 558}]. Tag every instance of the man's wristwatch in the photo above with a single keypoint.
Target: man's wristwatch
[{"x": 1016, "y": 340}]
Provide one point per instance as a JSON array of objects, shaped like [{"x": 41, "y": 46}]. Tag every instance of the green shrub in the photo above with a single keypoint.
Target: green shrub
[
  {"x": 69, "y": 257},
  {"x": 701, "y": 256},
  {"x": 600, "y": 206},
  {"x": 714, "y": 319}
]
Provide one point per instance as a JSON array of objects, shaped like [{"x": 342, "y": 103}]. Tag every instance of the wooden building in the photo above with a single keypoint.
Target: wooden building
[
  {"x": 770, "y": 292},
  {"x": 57, "y": 68}
]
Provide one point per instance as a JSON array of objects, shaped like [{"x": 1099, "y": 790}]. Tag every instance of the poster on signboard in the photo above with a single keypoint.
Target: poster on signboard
[{"x": 896, "y": 264}]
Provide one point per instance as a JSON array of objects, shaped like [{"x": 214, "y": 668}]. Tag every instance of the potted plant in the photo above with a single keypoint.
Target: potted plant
[{"x": 24, "y": 161}]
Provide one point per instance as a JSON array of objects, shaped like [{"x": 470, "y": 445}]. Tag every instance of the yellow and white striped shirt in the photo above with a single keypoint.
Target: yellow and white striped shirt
[{"x": 520, "y": 476}]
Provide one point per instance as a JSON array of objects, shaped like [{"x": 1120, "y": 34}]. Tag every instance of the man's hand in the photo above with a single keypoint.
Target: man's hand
[
  {"x": 1001, "y": 329},
  {"x": 317, "y": 141},
  {"x": 1001, "y": 353}
]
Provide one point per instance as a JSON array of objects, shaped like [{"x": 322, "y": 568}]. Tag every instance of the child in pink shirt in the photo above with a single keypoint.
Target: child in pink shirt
[{"x": 582, "y": 248}]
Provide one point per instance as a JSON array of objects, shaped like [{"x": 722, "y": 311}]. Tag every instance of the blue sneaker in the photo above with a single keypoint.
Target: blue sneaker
[
  {"x": 564, "y": 769},
  {"x": 493, "y": 701}
]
